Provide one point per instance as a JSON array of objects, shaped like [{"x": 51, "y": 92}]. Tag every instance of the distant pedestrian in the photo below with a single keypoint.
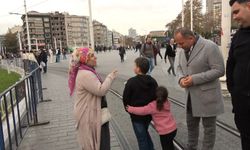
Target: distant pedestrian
[
  {"x": 238, "y": 70},
  {"x": 200, "y": 66},
  {"x": 122, "y": 52},
  {"x": 147, "y": 51},
  {"x": 64, "y": 52},
  {"x": 140, "y": 91},
  {"x": 170, "y": 52},
  {"x": 138, "y": 47},
  {"x": 90, "y": 102},
  {"x": 58, "y": 55},
  {"x": 51, "y": 56},
  {"x": 164, "y": 121},
  {"x": 157, "y": 50},
  {"x": 44, "y": 59}
]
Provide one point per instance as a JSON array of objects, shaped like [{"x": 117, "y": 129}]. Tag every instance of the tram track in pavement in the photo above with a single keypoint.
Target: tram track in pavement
[
  {"x": 219, "y": 123},
  {"x": 177, "y": 145}
]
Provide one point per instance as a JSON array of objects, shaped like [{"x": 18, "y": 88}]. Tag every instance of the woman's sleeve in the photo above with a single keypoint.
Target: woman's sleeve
[{"x": 92, "y": 84}]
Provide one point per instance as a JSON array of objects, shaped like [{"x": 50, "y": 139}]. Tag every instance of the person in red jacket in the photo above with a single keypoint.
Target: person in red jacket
[{"x": 163, "y": 119}]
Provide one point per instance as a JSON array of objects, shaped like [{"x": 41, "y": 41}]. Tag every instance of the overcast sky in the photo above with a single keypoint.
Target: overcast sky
[{"x": 120, "y": 15}]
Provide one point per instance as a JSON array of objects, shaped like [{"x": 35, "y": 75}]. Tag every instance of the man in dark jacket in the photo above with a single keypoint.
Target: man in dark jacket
[
  {"x": 140, "y": 91},
  {"x": 122, "y": 52},
  {"x": 170, "y": 52},
  {"x": 44, "y": 58},
  {"x": 238, "y": 70}
]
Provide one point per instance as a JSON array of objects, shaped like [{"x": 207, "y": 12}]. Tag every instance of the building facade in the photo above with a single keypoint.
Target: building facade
[
  {"x": 16, "y": 29},
  {"x": 39, "y": 30},
  {"x": 100, "y": 34},
  {"x": 132, "y": 33},
  {"x": 109, "y": 38},
  {"x": 62, "y": 30},
  {"x": 58, "y": 30},
  {"x": 77, "y": 30},
  {"x": 118, "y": 39},
  {"x": 214, "y": 9}
]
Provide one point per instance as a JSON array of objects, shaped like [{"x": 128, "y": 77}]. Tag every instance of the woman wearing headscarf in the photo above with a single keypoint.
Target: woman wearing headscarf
[{"x": 90, "y": 91}]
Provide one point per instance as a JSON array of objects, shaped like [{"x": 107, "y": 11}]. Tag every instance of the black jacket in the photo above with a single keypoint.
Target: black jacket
[
  {"x": 139, "y": 91},
  {"x": 44, "y": 56},
  {"x": 122, "y": 51},
  {"x": 238, "y": 71},
  {"x": 170, "y": 51}
]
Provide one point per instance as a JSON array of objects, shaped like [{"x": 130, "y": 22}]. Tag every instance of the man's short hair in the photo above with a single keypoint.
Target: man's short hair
[
  {"x": 143, "y": 64},
  {"x": 231, "y": 2},
  {"x": 185, "y": 32}
]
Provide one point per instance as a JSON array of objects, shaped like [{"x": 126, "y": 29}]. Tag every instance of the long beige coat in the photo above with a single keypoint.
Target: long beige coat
[
  {"x": 206, "y": 66},
  {"x": 87, "y": 108}
]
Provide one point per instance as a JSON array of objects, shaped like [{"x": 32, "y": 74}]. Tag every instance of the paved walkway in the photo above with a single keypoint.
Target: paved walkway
[{"x": 60, "y": 133}]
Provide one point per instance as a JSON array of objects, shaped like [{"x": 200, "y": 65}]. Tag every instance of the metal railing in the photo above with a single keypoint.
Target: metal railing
[{"x": 18, "y": 107}]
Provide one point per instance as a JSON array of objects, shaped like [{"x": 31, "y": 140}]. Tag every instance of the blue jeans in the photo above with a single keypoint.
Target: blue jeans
[
  {"x": 151, "y": 65},
  {"x": 143, "y": 138}
]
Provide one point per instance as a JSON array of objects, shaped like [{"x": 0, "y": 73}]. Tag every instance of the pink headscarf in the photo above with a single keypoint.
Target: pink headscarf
[{"x": 78, "y": 62}]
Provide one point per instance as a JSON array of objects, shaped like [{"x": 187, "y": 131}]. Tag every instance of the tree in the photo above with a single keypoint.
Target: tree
[
  {"x": 129, "y": 41},
  {"x": 11, "y": 42},
  {"x": 197, "y": 18}
]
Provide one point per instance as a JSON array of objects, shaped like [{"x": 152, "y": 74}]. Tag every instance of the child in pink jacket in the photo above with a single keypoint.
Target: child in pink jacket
[{"x": 163, "y": 119}]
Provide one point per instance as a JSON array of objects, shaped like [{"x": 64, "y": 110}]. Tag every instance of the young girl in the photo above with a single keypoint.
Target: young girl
[{"x": 162, "y": 117}]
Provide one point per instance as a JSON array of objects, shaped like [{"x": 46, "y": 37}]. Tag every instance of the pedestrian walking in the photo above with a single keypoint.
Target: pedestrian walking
[
  {"x": 138, "y": 47},
  {"x": 122, "y": 52},
  {"x": 140, "y": 90},
  {"x": 171, "y": 53},
  {"x": 163, "y": 119},
  {"x": 157, "y": 50},
  {"x": 43, "y": 60},
  {"x": 147, "y": 51},
  {"x": 64, "y": 54},
  {"x": 238, "y": 70},
  {"x": 200, "y": 66},
  {"x": 58, "y": 55},
  {"x": 51, "y": 56},
  {"x": 90, "y": 106}
]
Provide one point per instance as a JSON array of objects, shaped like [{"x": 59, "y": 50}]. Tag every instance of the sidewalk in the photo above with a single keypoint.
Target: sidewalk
[{"x": 60, "y": 133}]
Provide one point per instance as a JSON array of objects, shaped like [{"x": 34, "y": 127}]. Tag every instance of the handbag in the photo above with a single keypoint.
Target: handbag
[{"x": 106, "y": 115}]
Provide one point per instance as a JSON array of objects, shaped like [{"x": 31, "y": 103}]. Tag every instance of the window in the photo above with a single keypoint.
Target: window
[
  {"x": 46, "y": 19},
  {"x": 47, "y": 35}
]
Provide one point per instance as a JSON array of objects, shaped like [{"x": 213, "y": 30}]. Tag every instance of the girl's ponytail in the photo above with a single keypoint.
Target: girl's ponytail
[{"x": 162, "y": 95}]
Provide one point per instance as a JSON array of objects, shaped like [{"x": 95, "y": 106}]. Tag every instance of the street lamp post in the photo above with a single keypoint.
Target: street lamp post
[
  {"x": 75, "y": 43},
  {"x": 36, "y": 44},
  {"x": 182, "y": 14},
  {"x": 19, "y": 41},
  {"x": 225, "y": 28},
  {"x": 191, "y": 9},
  {"x": 55, "y": 43},
  {"x": 27, "y": 26},
  {"x": 91, "y": 26},
  {"x": 60, "y": 42}
]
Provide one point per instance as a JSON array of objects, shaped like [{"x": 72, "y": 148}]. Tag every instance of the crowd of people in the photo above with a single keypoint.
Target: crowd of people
[
  {"x": 43, "y": 56},
  {"x": 198, "y": 71}
]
